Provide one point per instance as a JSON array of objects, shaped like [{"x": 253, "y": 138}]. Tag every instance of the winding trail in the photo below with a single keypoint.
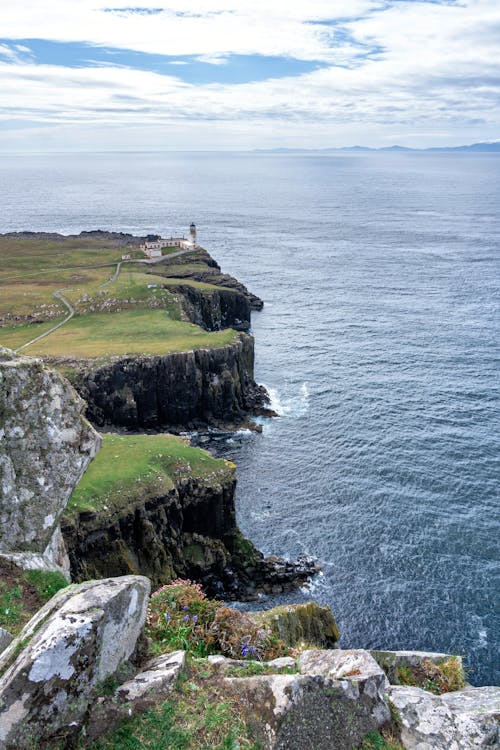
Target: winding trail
[
  {"x": 51, "y": 330},
  {"x": 58, "y": 295}
]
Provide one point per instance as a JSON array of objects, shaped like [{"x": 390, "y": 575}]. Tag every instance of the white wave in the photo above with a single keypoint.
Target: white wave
[{"x": 292, "y": 406}]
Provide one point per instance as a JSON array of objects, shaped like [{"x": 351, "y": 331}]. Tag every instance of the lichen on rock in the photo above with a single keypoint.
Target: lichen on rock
[{"x": 45, "y": 446}]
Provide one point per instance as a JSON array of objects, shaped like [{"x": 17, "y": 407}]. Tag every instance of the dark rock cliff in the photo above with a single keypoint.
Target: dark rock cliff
[
  {"x": 215, "y": 309},
  {"x": 189, "y": 532},
  {"x": 175, "y": 391},
  {"x": 200, "y": 266}
]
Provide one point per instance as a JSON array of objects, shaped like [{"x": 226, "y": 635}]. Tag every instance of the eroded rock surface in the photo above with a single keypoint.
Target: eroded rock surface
[
  {"x": 148, "y": 688},
  {"x": 81, "y": 637},
  {"x": 463, "y": 720},
  {"x": 45, "y": 446}
]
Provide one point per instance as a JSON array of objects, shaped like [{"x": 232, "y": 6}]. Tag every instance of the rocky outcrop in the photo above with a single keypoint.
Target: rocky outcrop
[
  {"x": 463, "y": 720},
  {"x": 149, "y": 687},
  {"x": 51, "y": 672},
  {"x": 190, "y": 532},
  {"x": 214, "y": 309},
  {"x": 296, "y": 624},
  {"x": 329, "y": 704},
  {"x": 200, "y": 266},
  {"x": 178, "y": 391},
  {"x": 45, "y": 446}
]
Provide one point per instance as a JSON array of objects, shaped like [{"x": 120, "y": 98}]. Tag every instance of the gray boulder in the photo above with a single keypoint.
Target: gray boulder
[
  {"x": 337, "y": 698},
  {"x": 45, "y": 446},
  {"x": 148, "y": 688},
  {"x": 5, "y": 639},
  {"x": 463, "y": 720},
  {"x": 78, "y": 639}
]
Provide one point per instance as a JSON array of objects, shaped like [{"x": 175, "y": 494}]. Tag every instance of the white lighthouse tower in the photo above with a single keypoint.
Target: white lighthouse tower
[{"x": 192, "y": 234}]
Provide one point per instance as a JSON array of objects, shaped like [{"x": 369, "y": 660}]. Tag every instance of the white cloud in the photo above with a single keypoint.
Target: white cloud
[{"x": 414, "y": 68}]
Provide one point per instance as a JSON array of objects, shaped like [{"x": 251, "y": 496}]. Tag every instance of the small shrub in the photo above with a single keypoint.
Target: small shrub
[
  {"x": 436, "y": 678},
  {"x": 181, "y": 617},
  {"x": 239, "y": 636}
]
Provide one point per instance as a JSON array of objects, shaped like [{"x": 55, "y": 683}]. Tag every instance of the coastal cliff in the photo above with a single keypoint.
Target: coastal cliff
[
  {"x": 177, "y": 391},
  {"x": 155, "y": 506}
]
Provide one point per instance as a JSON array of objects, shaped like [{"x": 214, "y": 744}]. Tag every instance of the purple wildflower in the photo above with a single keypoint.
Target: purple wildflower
[
  {"x": 244, "y": 650},
  {"x": 195, "y": 618},
  {"x": 185, "y": 608},
  {"x": 186, "y": 618}
]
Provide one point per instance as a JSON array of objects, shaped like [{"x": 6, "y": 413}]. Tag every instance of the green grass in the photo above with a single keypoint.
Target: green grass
[
  {"x": 444, "y": 677},
  {"x": 22, "y": 593},
  {"x": 136, "y": 331},
  {"x": 377, "y": 741},
  {"x": 200, "y": 715},
  {"x": 129, "y": 468}
]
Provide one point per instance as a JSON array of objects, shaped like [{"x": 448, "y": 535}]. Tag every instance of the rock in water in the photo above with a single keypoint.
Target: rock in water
[
  {"x": 45, "y": 446},
  {"x": 81, "y": 637}
]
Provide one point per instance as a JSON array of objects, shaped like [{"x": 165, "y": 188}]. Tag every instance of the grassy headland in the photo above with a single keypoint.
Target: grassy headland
[
  {"x": 132, "y": 468},
  {"x": 137, "y": 312}
]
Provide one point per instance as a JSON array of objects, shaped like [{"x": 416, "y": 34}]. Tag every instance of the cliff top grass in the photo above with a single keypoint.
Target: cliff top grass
[
  {"x": 133, "y": 468},
  {"x": 135, "y": 313},
  {"x": 137, "y": 331}
]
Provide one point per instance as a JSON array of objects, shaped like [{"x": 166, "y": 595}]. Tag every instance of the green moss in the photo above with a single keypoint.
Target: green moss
[
  {"x": 46, "y": 582},
  {"x": 301, "y": 625},
  {"x": 132, "y": 468},
  {"x": 444, "y": 677}
]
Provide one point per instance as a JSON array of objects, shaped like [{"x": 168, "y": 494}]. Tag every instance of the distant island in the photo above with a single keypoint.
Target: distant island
[{"x": 492, "y": 147}]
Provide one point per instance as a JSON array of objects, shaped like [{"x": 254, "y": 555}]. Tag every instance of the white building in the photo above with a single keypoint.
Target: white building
[{"x": 153, "y": 248}]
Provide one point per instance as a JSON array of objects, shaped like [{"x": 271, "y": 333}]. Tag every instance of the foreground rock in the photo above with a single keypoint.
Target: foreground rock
[
  {"x": 463, "y": 720},
  {"x": 45, "y": 446},
  {"x": 81, "y": 637},
  {"x": 328, "y": 705},
  {"x": 148, "y": 688}
]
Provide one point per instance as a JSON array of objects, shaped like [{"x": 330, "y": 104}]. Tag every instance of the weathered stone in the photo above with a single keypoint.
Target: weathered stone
[
  {"x": 297, "y": 624},
  {"x": 390, "y": 661},
  {"x": 304, "y": 712},
  {"x": 45, "y": 446},
  {"x": 463, "y": 720},
  {"x": 5, "y": 639},
  {"x": 148, "y": 688},
  {"x": 357, "y": 666},
  {"x": 78, "y": 639}
]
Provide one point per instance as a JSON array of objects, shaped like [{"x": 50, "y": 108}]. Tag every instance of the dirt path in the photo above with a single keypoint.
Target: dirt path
[
  {"x": 151, "y": 261},
  {"x": 51, "y": 330}
]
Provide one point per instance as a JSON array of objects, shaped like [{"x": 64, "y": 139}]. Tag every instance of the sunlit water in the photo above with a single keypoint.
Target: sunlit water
[{"x": 378, "y": 342}]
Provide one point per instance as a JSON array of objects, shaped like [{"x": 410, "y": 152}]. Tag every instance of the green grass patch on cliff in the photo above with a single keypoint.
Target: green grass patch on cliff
[
  {"x": 136, "y": 331},
  {"x": 23, "y": 592},
  {"x": 132, "y": 468}
]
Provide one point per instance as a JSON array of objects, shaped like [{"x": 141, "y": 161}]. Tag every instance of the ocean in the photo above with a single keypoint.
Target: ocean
[{"x": 379, "y": 345}]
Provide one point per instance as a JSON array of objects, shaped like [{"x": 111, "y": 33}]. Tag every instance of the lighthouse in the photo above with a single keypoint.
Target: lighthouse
[{"x": 192, "y": 234}]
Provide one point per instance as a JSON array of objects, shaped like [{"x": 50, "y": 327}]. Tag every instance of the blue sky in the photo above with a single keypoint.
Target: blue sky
[{"x": 248, "y": 74}]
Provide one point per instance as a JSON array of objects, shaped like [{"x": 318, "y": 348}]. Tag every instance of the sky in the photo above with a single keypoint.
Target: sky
[{"x": 85, "y": 75}]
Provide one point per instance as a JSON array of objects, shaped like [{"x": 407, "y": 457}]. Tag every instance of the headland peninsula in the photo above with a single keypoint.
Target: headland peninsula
[{"x": 145, "y": 339}]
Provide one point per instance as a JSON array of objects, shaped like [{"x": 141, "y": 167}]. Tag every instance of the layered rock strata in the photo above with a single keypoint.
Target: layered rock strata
[
  {"x": 185, "y": 390},
  {"x": 189, "y": 532}
]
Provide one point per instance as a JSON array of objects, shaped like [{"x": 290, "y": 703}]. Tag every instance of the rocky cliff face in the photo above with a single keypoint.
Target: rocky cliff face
[
  {"x": 215, "y": 309},
  {"x": 45, "y": 446},
  {"x": 175, "y": 391},
  {"x": 190, "y": 532}
]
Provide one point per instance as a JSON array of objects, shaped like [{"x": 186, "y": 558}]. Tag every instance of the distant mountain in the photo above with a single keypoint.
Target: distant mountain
[{"x": 485, "y": 146}]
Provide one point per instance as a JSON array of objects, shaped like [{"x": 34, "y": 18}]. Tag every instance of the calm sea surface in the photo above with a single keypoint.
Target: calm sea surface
[{"x": 379, "y": 343}]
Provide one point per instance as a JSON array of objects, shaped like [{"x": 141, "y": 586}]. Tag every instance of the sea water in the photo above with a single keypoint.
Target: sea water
[{"x": 379, "y": 345}]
